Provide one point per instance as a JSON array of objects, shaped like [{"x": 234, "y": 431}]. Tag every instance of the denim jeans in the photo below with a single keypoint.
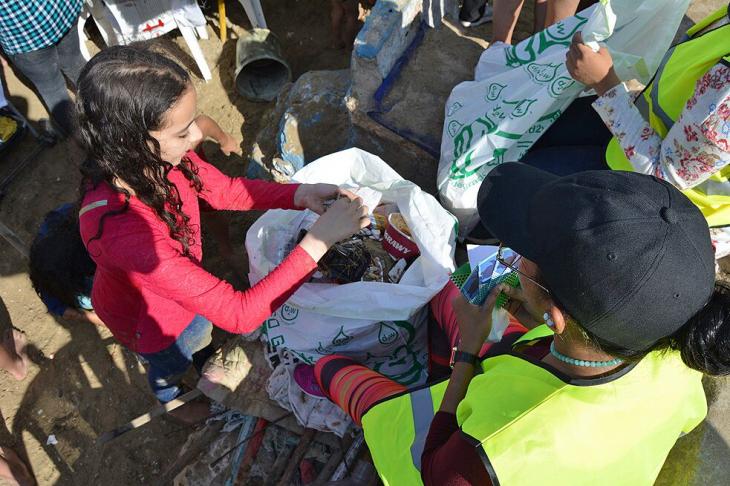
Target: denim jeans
[
  {"x": 44, "y": 68},
  {"x": 576, "y": 142},
  {"x": 167, "y": 367}
]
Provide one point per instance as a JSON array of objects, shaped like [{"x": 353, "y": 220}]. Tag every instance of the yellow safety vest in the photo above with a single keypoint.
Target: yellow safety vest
[
  {"x": 530, "y": 426},
  {"x": 665, "y": 97}
]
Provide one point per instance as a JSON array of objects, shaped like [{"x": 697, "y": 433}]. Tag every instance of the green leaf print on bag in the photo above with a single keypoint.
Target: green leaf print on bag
[
  {"x": 559, "y": 85},
  {"x": 494, "y": 90},
  {"x": 454, "y": 127},
  {"x": 387, "y": 334},
  {"x": 542, "y": 73},
  {"x": 522, "y": 107}
]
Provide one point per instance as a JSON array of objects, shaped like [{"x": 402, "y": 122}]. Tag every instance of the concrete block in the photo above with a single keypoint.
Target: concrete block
[
  {"x": 309, "y": 121},
  {"x": 387, "y": 32}
]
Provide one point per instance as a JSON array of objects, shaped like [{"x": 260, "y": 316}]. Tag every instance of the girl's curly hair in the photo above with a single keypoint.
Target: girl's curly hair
[{"x": 123, "y": 94}]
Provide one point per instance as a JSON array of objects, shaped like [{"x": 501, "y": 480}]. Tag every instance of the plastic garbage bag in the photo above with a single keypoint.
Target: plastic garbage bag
[
  {"x": 519, "y": 91},
  {"x": 381, "y": 325}
]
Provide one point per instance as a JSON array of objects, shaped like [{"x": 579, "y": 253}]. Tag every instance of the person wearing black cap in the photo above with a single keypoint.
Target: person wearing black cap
[{"x": 618, "y": 291}]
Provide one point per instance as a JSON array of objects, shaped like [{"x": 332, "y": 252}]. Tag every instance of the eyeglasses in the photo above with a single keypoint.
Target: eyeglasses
[{"x": 511, "y": 263}]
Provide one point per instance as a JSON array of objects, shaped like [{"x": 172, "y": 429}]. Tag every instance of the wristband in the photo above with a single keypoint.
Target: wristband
[{"x": 462, "y": 357}]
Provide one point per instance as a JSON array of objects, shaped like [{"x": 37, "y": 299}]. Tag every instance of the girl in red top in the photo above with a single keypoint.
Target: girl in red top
[{"x": 140, "y": 218}]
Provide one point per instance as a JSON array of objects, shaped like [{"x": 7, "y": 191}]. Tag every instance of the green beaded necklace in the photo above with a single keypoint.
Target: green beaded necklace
[{"x": 581, "y": 362}]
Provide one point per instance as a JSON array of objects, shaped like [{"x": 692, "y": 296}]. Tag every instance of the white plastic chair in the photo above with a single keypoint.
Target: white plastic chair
[
  {"x": 254, "y": 13},
  {"x": 107, "y": 17}
]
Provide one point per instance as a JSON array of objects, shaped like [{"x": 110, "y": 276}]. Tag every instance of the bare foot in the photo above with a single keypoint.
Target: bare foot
[
  {"x": 13, "y": 469},
  {"x": 15, "y": 342}
]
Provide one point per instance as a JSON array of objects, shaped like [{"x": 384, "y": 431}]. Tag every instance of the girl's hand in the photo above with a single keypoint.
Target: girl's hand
[
  {"x": 475, "y": 322},
  {"x": 594, "y": 69},
  {"x": 229, "y": 144},
  {"x": 344, "y": 218},
  {"x": 313, "y": 196}
]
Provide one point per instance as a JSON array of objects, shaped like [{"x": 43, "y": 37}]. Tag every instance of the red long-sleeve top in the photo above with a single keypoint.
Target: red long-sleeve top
[{"x": 146, "y": 291}]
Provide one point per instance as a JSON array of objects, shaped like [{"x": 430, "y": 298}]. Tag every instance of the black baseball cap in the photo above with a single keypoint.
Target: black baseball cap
[{"x": 627, "y": 255}]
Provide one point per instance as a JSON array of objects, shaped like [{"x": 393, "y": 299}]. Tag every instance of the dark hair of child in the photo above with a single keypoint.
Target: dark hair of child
[{"x": 59, "y": 264}]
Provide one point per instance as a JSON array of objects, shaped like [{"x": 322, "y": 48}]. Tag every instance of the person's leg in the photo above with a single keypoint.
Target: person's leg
[
  {"x": 558, "y": 10},
  {"x": 13, "y": 357},
  {"x": 167, "y": 367},
  {"x": 579, "y": 124},
  {"x": 540, "y": 15},
  {"x": 563, "y": 161},
  {"x": 337, "y": 15},
  {"x": 506, "y": 13},
  {"x": 69, "y": 56},
  {"x": 350, "y": 28},
  {"x": 352, "y": 386},
  {"x": 41, "y": 67},
  {"x": 13, "y": 469}
]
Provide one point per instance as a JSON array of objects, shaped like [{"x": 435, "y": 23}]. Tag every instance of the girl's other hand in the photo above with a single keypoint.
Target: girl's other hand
[
  {"x": 341, "y": 220},
  {"x": 314, "y": 196}
]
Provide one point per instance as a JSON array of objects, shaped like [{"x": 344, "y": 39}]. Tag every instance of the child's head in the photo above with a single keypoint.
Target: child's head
[
  {"x": 60, "y": 267},
  {"x": 134, "y": 101},
  {"x": 136, "y": 120}
]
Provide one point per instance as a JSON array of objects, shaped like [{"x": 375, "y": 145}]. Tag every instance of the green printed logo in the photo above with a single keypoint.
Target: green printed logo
[
  {"x": 387, "y": 334},
  {"x": 542, "y": 73},
  {"x": 454, "y": 127},
  {"x": 289, "y": 313},
  {"x": 276, "y": 341},
  {"x": 559, "y": 85},
  {"x": 454, "y": 108},
  {"x": 341, "y": 339},
  {"x": 521, "y": 107},
  {"x": 494, "y": 90}
]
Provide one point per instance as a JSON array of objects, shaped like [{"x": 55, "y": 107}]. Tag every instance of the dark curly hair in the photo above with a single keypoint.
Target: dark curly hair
[
  {"x": 59, "y": 265},
  {"x": 123, "y": 94}
]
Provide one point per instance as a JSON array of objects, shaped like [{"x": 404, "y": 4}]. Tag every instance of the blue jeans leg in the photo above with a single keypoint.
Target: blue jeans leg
[
  {"x": 567, "y": 160},
  {"x": 167, "y": 367},
  {"x": 43, "y": 68}
]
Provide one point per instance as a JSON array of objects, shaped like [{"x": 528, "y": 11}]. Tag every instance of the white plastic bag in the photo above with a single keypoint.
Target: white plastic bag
[
  {"x": 381, "y": 325},
  {"x": 519, "y": 91}
]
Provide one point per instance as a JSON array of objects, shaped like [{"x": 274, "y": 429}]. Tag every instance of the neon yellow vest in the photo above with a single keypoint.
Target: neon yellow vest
[
  {"x": 531, "y": 427},
  {"x": 665, "y": 97}
]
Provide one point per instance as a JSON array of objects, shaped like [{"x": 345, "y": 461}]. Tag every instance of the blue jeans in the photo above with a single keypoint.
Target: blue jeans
[
  {"x": 167, "y": 367},
  {"x": 44, "y": 68},
  {"x": 576, "y": 142}
]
